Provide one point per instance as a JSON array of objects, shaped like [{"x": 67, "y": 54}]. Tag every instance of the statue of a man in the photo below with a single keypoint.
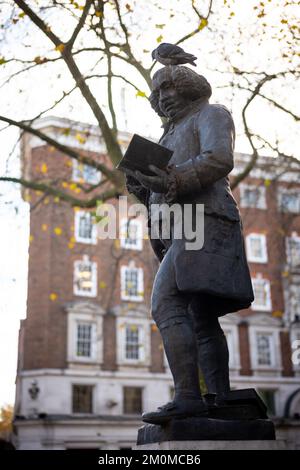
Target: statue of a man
[{"x": 193, "y": 288}]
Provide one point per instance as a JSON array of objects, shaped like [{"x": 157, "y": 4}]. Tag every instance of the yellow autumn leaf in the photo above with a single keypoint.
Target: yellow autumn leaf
[
  {"x": 64, "y": 184},
  {"x": 56, "y": 199},
  {"x": 202, "y": 24},
  {"x": 99, "y": 14},
  {"x": 31, "y": 237},
  {"x": 160, "y": 26},
  {"x": 133, "y": 328},
  {"x": 53, "y": 296},
  {"x": 159, "y": 38},
  {"x": 46, "y": 201},
  {"x": 22, "y": 14},
  {"x": 60, "y": 48},
  {"x": 44, "y": 168},
  {"x": 71, "y": 245},
  {"x": 72, "y": 240},
  {"x": 80, "y": 138},
  {"x": 102, "y": 284},
  {"x": 44, "y": 227},
  {"x": 267, "y": 182},
  {"x": 117, "y": 243},
  {"x": 73, "y": 186},
  {"x": 277, "y": 314},
  {"x": 58, "y": 231},
  {"x": 141, "y": 93}
]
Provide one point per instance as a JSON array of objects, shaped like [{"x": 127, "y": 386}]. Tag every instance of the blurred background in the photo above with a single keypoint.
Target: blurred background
[{"x": 80, "y": 357}]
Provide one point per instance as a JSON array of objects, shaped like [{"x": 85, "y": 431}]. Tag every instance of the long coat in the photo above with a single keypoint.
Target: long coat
[{"x": 203, "y": 143}]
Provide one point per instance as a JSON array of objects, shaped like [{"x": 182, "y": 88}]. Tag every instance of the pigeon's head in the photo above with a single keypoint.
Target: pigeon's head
[{"x": 153, "y": 54}]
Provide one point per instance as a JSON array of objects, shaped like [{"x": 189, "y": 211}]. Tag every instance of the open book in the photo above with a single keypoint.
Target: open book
[{"x": 141, "y": 153}]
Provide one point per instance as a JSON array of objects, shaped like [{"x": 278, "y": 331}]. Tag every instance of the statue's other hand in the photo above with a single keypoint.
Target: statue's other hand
[{"x": 157, "y": 183}]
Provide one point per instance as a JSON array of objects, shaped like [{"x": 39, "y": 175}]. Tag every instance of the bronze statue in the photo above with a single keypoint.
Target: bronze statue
[{"x": 192, "y": 289}]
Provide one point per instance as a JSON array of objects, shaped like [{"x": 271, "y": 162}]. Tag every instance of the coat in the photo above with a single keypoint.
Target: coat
[{"x": 203, "y": 143}]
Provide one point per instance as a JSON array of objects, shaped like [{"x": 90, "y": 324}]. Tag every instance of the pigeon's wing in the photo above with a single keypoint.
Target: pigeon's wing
[
  {"x": 166, "y": 50},
  {"x": 185, "y": 55}
]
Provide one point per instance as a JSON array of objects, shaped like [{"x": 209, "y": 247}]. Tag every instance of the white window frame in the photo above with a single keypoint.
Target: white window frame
[
  {"x": 138, "y": 245},
  {"x": 287, "y": 191},
  {"x": 261, "y": 201},
  {"x": 295, "y": 345},
  {"x": 78, "y": 238},
  {"x": 250, "y": 255},
  {"x": 81, "y": 179},
  {"x": 96, "y": 320},
  {"x": 76, "y": 290},
  {"x": 275, "y": 349},
  {"x": 140, "y": 282},
  {"x": 144, "y": 341},
  {"x": 294, "y": 290},
  {"x": 92, "y": 356},
  {"x": 268, "y": 306},
  {"x": 288, "y": 240},
  {"x": 231, "y": 333}
]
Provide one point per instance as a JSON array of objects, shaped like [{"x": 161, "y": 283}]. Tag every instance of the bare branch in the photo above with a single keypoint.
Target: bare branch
[
  {"x": 52, "y": 191},
  {"x": 80, "y": 24},
  {"x": 63, "y": 148}
]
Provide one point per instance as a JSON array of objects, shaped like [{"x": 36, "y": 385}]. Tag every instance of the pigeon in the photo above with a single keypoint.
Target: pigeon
[{"x": 169, "y": 54}]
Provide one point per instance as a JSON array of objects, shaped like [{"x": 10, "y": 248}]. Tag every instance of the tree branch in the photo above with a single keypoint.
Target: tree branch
[
  {"x": 80, "y": 24},
  {"x": 63, "y": 148},
  {"x": 51, "y": 191}
]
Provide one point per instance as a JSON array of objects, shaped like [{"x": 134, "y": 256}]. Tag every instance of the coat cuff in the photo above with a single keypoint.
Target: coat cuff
[{"x": 182, "y": 180}]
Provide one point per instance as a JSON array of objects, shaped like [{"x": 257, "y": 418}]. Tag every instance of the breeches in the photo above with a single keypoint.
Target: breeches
[{"x": 169, "y": 305}]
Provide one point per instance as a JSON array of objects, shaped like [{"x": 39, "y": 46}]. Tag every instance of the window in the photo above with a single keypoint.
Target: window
[
  {"x": 85, "y": 277},
  {"x": 253, "y": 196},
  {"x": 293, "y": 251},
  {"x": 85, "y": 173},
  {"x": 131, "y": 234},
  {"x": 268, "y": 397},
  {"x": 262, "y": 294},
  {"x": 85, "y": 229},
  {"x": 256, "y": 245},
  {"x": 82, "y": 399},
  {"x": 132, "y": 283},
  {"x": 295, "y": 302},
  {"x": 132, "y": 400},
  {"x": 230, "y": 344},
  {"x": 84, "y": 342},
  {"x": 85, "y": 333},
  {"x": 289, "y": 200},
  {"x": 132, "y": 342},
  {"x": 265, "y": 348}
]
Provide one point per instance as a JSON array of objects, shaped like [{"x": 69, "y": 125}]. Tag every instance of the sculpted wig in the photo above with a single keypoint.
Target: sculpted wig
[{"x": 188, "y": 84}]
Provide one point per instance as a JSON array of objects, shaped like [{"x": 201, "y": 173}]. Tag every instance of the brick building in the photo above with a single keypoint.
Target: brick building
[{"x": 90, "y": 358}]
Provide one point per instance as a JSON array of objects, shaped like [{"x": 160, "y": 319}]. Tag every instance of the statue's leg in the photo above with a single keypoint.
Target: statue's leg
[
  {"x": 213, "y": 353},
  {"x": 170, "y": 312}
]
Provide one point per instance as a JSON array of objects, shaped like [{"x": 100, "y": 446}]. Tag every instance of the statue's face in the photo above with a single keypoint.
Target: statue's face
[{"x": 170, "y": 101}]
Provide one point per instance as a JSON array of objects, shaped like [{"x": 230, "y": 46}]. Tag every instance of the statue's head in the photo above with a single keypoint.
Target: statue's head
[{"x": 175, "y": 87}]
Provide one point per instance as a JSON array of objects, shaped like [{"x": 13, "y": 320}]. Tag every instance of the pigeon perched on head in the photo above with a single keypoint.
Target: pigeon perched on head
[{"x": 169, "y": 54}]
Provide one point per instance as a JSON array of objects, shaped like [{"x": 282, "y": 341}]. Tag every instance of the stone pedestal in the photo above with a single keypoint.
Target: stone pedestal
[
  {"x": 214, "y": 445},
  {"x": 207, "y": 429}
]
